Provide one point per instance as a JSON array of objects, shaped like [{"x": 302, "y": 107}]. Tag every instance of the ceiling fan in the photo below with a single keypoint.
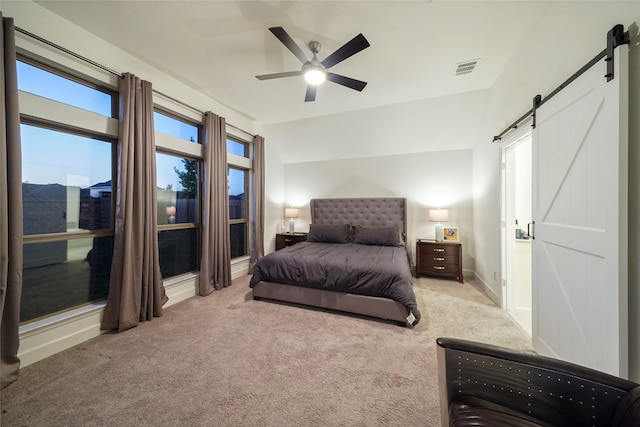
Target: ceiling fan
[{"x": 315, "y": 71}]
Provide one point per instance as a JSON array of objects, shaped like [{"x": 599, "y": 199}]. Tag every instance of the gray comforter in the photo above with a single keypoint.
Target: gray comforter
[{"x": 381, "y": 271}]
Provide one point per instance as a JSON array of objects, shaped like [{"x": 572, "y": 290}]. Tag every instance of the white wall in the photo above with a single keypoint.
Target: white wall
[
  {"x": 436, "y": 124},
  {"x": 274, "y": 195},
  {"x": 427, "y": 180},
  {"x": 567, "y": 36}
]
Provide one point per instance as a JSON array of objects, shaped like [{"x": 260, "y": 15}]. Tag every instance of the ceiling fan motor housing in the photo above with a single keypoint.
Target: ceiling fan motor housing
[{"x": 314, "y": 46}]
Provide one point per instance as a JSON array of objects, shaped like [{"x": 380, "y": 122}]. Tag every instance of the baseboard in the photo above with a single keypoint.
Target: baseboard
[
  {"x": 468, "y": 274},
  {"x": 486, "y": 289},
  {"x": 39, "y": 340},
  {"x": 48, "y": 337},
  {"x": 181, "y": 288},
  {"x": 239, "y": 267}
]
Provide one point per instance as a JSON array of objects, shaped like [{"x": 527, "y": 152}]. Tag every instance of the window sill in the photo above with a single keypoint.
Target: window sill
[
  {"x": 59, "y": 319},
  {"x": 240, "y": 259}
]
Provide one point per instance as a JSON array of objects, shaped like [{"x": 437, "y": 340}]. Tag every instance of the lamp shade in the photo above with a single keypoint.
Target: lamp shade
[
  {"x": 291, "y": 213},
  {"x": 438, "y": 215}
]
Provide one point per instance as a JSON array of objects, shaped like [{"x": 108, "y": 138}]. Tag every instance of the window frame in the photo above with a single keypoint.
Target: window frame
[
  {"x": 183, "y": 225},
  {"x": 245, "y": 144},
  {"x": 244, "y": 164},
  {"x": 27, "y": 118},
  {"x": 74, "y": 76},
  {"x": 159, "y": 109},
  {"x": 173, "y": 145},
  {"x": 36, "y": 111}
]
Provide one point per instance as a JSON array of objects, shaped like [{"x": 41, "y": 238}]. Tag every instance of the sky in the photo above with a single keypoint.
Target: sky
[{"x": 50, "y": 156}]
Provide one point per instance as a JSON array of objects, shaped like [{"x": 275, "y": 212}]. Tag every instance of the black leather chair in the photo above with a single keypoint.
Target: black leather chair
[{"x": 486, "y": 385}]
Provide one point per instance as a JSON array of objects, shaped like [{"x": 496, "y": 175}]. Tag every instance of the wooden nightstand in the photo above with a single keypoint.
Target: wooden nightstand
[
  {"x": 287, "y": 239},
  {"x": 442, "y": 259}
]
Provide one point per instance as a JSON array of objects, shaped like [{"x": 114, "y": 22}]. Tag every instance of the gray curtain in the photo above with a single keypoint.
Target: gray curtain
[
  {"x": 257, "y": 214},
  {"x": 215, "y": 265},
  {"x": 136, "y": 292},
  {"x": 10, "y": 209}
]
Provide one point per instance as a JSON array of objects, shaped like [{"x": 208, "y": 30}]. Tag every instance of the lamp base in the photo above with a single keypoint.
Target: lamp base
[
  {"x": 439, "y": 233},
  {"x": 291, "y": 226}
]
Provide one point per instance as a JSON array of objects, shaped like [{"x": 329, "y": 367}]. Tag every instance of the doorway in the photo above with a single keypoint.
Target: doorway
[{"x": 516, "y": 242}]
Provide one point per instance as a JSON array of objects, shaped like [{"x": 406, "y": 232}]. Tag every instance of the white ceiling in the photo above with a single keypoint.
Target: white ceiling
[{"x": 218, "y": 47}]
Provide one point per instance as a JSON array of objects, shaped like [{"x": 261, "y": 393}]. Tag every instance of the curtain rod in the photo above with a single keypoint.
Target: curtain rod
[
  {"x": 177, "y": 101},
  {"x": 109, "y": 70},
  {"x": 67, "y": 51}
]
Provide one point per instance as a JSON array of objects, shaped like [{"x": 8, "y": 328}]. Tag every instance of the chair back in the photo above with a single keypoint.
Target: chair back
[{"x": 534, "y": 387}]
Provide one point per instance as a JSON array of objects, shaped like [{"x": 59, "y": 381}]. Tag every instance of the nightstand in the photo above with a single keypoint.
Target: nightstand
[
  {"x": 443, "y": 259},
  {"x": 289, "y": 239}
]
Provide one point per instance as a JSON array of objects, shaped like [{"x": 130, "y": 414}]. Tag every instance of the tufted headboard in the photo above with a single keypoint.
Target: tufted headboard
[{"x": 367, "y": 212}]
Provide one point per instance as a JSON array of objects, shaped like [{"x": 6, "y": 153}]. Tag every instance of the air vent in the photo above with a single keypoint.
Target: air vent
[{"x": 465, "y": 67}]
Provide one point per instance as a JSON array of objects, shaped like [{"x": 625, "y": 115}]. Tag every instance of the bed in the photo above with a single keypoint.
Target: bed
[{"x": 354, "y": 260}]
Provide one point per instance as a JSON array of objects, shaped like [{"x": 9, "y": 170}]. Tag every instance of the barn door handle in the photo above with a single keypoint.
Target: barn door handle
[{"x": 531, "y": 228}]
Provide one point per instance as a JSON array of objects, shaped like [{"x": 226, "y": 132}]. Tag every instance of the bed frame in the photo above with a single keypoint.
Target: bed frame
[{"x": 367, "y": 212}]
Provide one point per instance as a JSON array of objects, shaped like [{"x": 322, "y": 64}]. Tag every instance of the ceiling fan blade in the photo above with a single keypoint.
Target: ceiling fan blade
[
  {"x": 346, "y": 81},
  {"x": 286, "y": 40},
  {"x": 279, "y": 75},
  {"x": 350, "y": 48},
  {"x": 311, "y": 93}
]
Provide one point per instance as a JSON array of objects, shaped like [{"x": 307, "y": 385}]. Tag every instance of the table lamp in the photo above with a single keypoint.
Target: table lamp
[
  {"x": 291, "y": 213},
  {"x": 439, "y": 216}
]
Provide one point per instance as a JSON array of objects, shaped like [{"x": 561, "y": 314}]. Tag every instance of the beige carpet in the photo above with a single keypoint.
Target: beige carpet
[{"x": 226, "y": 360}]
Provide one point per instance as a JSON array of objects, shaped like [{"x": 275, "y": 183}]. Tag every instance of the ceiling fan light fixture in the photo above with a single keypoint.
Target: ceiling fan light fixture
[
  {"x": 315, "y": 75},
  {"x": 314, "y": 72}
]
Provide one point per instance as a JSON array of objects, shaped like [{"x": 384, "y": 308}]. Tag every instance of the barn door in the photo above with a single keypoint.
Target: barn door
[{"x": 579, "y": 203}]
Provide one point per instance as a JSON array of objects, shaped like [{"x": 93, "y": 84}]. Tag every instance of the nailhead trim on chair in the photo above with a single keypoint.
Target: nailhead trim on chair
[{"x": 532, "y": 383}]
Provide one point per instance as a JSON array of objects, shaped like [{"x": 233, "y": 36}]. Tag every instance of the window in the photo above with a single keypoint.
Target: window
[
  {"x": 64, "y": 274},
  {"x": 178, "y": 183},
  {"x": 166, "y": 123},
  {"x": 67, "y": 185},
  {"x": 178, "y": 189},
  {"x": 238, "y": 185},
  {"x": 66, "y": 181},
  {"x": 238, "y": 148},
  {"x": 65, "y": 89},
  {"x": 238, "y": 220}
]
